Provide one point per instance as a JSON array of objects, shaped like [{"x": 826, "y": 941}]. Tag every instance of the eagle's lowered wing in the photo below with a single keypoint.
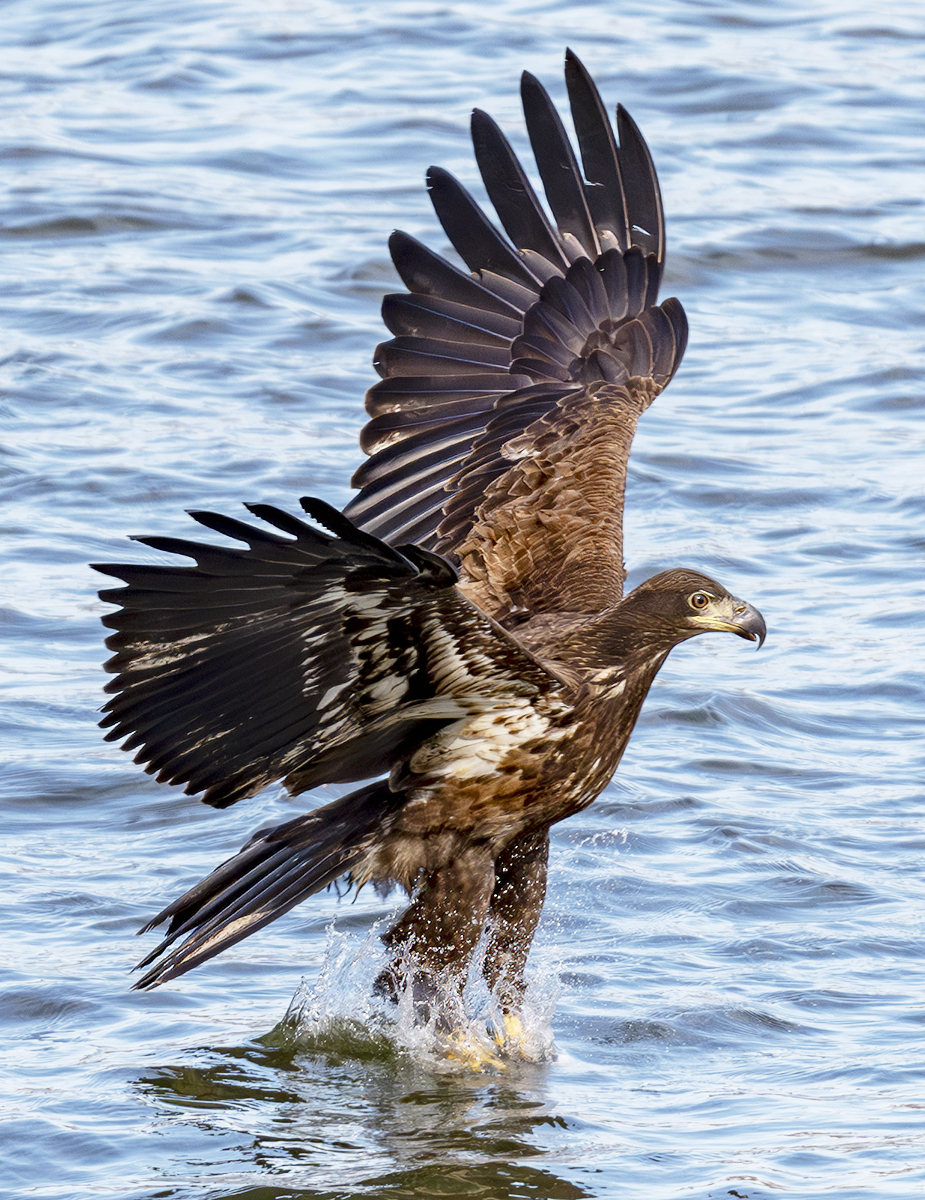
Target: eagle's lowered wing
[
  {"x": 495, "y": 381},
  {"x": 313, "y": 657}
]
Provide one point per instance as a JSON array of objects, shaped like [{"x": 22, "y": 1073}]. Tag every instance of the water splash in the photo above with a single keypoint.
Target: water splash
[{"x": 341, "y": 1015}]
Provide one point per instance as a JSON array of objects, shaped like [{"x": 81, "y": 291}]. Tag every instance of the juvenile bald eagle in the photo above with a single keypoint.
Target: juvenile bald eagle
[{"x": 458, "y": 636}]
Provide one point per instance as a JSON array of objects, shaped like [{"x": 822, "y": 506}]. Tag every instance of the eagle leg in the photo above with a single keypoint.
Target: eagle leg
[
  {"x": 433, "y": 941},
  {"x": 514, "y": 912}
]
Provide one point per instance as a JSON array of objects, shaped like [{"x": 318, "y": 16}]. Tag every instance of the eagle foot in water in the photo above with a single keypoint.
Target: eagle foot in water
[
  {"x": 516, "y": 1040},
  {"x": 464, "y": 1046},
  {"x": 435, "y": 1001}
]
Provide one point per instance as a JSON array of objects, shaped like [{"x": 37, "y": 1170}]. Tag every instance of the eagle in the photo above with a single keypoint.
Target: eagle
[{"x": 456, "y": 640}]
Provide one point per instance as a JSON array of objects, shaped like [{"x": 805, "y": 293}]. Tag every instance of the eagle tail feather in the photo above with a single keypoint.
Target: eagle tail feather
[{"x": 276, "y": 870}]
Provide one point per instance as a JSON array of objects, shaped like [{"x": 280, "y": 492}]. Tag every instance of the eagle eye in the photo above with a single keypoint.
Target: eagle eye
[{"x": 698, "y": 600}]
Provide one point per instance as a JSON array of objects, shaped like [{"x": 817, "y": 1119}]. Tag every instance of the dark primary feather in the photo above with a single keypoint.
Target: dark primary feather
[
  {"x": 600, "y": 157},
  {"x": 514, "y": 200},
  {"x": 475, "y": 239},
  {"x": 558, "y": 170}
]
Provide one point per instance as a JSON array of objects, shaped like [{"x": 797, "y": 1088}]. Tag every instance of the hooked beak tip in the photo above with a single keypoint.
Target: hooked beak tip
[
  {"x": 755, "y": 629},
  {"x": 749, "y": 624}
]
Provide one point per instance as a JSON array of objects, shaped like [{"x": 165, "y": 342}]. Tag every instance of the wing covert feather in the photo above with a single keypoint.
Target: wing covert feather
[{"x": 542, "y": 530}]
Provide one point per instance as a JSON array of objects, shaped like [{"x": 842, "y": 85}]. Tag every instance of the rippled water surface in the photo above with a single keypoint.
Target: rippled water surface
[{"x": 197, "y": 199}]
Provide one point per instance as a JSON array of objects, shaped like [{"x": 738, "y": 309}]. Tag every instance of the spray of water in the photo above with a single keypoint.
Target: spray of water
[{"x": 341, "y": 1013}]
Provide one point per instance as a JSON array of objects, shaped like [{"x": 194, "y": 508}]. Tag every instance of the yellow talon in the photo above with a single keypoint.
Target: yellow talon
[
  {"x": 509, "y": 1035},
  {"x": 464, "y": 1047},
  {"x": 515, "y": 1041},
  {"x": 513, "y": 1029}
]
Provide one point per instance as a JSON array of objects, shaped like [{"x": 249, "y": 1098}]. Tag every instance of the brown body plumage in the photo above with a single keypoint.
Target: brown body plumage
[{"x": 461, "y": 626}]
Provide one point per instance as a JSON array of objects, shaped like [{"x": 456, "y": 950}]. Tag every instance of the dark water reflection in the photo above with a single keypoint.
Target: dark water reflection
[
  {"x": 354, "y": 1111},
  {"x": 198, "y": 200}
]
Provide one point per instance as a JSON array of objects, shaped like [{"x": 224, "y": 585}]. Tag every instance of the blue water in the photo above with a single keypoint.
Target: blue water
[{"x": 731, "y": 962}]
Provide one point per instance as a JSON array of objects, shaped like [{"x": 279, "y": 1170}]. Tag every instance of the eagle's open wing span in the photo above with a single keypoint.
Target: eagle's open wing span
[
  {"x": 511, "y": 395},
  {"x": 399, "y": 637},
  {"x": 310, "y": 657}
]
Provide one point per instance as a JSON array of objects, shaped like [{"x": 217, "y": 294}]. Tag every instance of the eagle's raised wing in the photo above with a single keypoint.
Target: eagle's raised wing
[
  {"x": 500, "y": 432},
  {"x": 312, "y": 657}
]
